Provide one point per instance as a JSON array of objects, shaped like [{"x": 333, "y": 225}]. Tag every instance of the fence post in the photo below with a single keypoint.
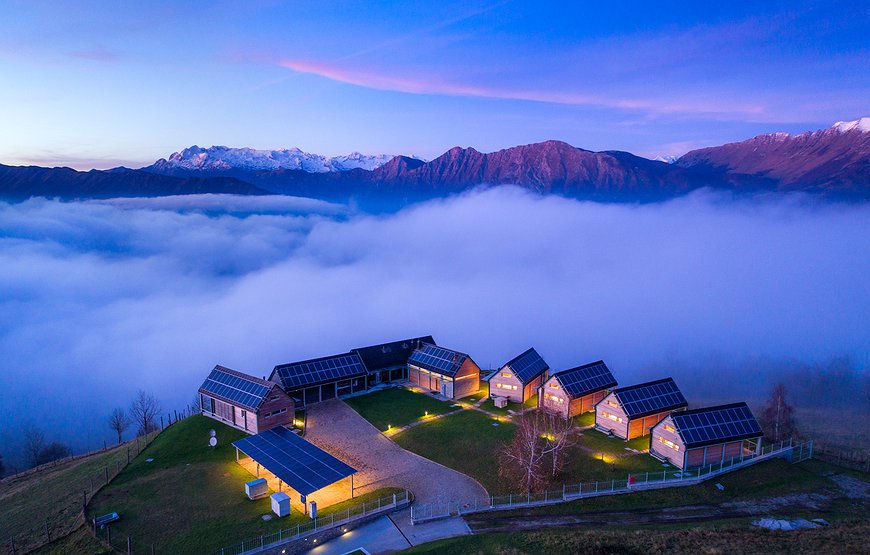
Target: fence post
[
  {"x": 106, "y": 468},
  {"x": 47, "y": 534},
  {"x": 129, "y": 547}
]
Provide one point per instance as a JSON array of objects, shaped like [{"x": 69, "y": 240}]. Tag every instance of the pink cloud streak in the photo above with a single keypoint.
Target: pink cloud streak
[{"x": 422, "y": 85}]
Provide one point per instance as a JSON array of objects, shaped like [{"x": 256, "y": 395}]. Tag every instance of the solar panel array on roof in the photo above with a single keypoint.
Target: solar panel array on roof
[
  {"x": 437, "y": 359},
  {"x": 586, "y": 379},
  {"x": 716, "y": 425},
  {"x": 528, "y": 366},
  {"x": 244, "y": 392},
  {"x": 297, "y": 462},
  {"x": 651, "y": 397},
  {"x": 322, "y": 370}
]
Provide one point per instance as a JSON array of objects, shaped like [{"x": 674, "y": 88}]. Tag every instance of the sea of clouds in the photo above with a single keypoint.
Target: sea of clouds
[{"x": 100, "y": 299}]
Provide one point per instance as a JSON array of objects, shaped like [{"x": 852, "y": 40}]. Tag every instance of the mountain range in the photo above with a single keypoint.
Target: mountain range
[{"x": 832, "y": 162}]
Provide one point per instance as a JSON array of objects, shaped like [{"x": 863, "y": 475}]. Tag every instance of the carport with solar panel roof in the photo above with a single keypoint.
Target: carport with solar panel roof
[
  {"x": 576, "y": 390},
  {"x": 288, "y": 461}
]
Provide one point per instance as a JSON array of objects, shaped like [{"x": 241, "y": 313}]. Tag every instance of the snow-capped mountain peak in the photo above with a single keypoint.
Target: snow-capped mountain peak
[
  {"x": 861, "y": 124},
  {"x": 217, "y": 158}
]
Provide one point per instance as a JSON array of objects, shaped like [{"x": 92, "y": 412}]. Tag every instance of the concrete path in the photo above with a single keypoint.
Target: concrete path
[
  {"x": 378, "y": 536},
  {"x": 382, "y": 463}
]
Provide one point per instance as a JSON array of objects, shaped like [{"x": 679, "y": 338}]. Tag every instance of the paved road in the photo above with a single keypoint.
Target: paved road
[{"x": 382, "y": 463}]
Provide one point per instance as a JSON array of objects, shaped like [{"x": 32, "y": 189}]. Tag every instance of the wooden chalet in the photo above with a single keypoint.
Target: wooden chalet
[
  {"x": 450, "y": 373},
  {"x": 630, "y": 412},
  {"x": 520, "y": 378},
  {"x": 245, "y": 402},
  {"x": 576, "y": 390}
]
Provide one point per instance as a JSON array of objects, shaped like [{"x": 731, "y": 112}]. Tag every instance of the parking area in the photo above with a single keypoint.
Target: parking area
[{"x": 337, "y": 428}]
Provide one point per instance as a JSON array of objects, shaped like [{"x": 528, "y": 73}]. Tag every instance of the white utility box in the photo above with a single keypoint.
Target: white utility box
[
  {"x": 280, "y": 503},
  {"x": 256, "y": 489},
  {"x": 500, "y": 402},
  {"x": 312, "y": 509}
]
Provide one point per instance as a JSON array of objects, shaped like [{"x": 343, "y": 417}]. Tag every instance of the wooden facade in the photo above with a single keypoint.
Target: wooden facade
[
  {"x": 667, "y": 443},
  {"x": 504, "y": 383},
  {"x": 465, "y": 382},
  {"x": 611, "y": 418},
  {"x": 273, "y": 408},
  {"x": 556, "y": 400}
]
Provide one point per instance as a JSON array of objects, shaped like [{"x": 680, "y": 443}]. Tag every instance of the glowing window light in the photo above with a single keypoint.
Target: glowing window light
[
  {"x": 670, "y": 428},
  {"x": 669, "y": 443}
]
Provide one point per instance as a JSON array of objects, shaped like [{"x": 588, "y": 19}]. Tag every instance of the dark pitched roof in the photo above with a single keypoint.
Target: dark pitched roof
[
  {"x": 236, "y": 388},
  {"x": 586, "y": 379},
  {"x": 526, "y": 366},
  {"x": 308, "y": 373},
  {"x": 390, "y": 355},
  {"x": 437, "y": 359},
  {"x": 712, "y": 425},
  {"x": 650, "y": 398}
]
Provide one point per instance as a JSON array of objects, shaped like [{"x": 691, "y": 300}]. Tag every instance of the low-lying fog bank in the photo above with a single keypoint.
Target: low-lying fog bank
[{"x": 100, "y": 299}]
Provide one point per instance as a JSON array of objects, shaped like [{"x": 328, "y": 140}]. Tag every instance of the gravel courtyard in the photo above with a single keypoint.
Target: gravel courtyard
[{"x": 381, "y": 463}]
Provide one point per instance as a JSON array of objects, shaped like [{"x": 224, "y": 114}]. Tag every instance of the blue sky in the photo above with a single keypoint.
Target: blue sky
[{"x": 97, "y": 84}]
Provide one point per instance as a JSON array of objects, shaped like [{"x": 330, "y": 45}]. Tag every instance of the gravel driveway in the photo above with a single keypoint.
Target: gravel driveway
[{"x": 337, "y": 428}]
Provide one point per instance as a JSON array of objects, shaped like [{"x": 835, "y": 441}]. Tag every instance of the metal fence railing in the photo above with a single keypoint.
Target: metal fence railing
[
  {"x": 304, "y": 529},
  {"x": 795, "y": 452},
  {"x": 67, "y": 513}
]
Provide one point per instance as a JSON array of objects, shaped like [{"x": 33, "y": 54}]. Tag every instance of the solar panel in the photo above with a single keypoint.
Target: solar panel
[
  {"x": 716, "y": 424},
  {"x": 438, "y": 359},
  {"x": 245, "y": 392},
  {"x": 528, "y": 366},
  {"x": 297, "y": 462},
  {"x": 313, "y": 372},
  {"x": 586, "y": 379},
  {"x": 650, "y": 398}
]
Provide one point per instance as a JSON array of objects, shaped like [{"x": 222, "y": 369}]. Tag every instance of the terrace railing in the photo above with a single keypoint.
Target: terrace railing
[
  {"x": 794, "y": 452},
  {"x": 318, "y": 525}
]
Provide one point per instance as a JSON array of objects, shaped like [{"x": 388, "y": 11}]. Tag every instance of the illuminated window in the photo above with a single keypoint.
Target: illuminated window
[
  {"x": 611, "y": 416},
  {"x": 669, "y": 428},
  {"x": 669, "y": 443},
  {"x": 498, "y": 385},
  {"x": 505, "y": 374},
  {"x": 613, "y": 403},
  {"x": 554, "y": 385}
]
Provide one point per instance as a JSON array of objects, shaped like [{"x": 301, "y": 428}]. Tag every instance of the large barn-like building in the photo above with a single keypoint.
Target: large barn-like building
[
  {"x": 711, "y": 435},
  {"x": 520, "y": 378},
  {"x": 245, "y": 402},
  {"x": 320, "y": 379},
  {"x": 576, "y": 390},
  {"x": 630, "y": 412},
  {"x": 450, "y": 373},
  {"x": 388, "y": 362}
]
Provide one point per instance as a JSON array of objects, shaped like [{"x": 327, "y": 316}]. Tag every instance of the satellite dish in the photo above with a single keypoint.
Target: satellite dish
[
  {"x": 212, "y": 441},
  {"x": 211, "y": 433}
]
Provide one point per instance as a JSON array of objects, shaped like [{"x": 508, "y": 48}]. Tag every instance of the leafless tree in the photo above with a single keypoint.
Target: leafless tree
[
  {"x": 119, "y": 422},
  {"x": 52, "y": 452},
  {"x": 34, "y": 443},
  {"x": 521, "y": 461},
  {"x": 777, "y": 417},
  {"x": 144, "y": 412},
  {"x": 558, "y": 436},
  {"x": 196, "y": 405}
]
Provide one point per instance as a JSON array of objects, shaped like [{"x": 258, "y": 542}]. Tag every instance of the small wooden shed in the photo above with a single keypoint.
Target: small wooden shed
[
  {"x": 520, "y": 378},
  {"x": 576, "y": 390},
  {"x": 698, "y": 437},
  {"x": 245, "y": 402},
  {"x": 630, "y": 412},
  {"x": 450, "y": 373}
]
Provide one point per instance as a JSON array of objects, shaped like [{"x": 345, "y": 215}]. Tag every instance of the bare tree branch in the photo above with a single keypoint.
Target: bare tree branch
[
  {"x": 119, "y": 422},
  {"x": 144, "y": 412}
]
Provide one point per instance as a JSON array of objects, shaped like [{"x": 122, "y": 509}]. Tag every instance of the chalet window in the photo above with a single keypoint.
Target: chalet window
[
  {"x": 669, "y": 428},
  {"x": 613, "y": 403},
  {"x": 554, "y": 385},
  {"x": 611, "y": 416},
  {"x": 669, "y": 443},
  {"x": 505, "y": 374}
]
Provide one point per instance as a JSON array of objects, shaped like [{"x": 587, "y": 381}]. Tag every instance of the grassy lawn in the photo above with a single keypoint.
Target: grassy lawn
[
  {"x": 397, "y": 407},
  {"x": 585, "y": 419},
  {"x": 593, "y": 439},
  {"x": 191, "y": 497},
  {"x": 716, "y": 537},
  {"x": 53, "y": 493},
  {"x": 489, "y": 405},
  {"x": 466, "y": 441}
]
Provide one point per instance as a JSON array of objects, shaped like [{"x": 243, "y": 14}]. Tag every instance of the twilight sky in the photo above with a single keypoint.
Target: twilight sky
[{"x": 97, "y": 84}]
